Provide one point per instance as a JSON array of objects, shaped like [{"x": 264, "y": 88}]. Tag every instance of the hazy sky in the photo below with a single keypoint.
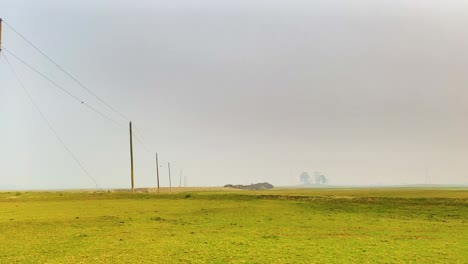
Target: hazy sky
[{"x": 365, "y": 92}]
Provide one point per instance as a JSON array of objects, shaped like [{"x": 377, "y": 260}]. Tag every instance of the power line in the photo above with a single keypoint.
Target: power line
[
  {"x": 63, "y": 89},
  {"x": 49, "y": 124},
  {"x": 142, "y": 144},
  {"x": 146, "y": 148},
  {"x": 138, "y": 137},
  {"x": 140, "y": 140},
  {"x": 138, "y": 131},
  {"x": 79, "y": 83},
  {"x": 68, "y": 74}
]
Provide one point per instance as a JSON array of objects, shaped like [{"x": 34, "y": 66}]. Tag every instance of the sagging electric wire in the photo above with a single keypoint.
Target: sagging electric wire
[
  {"x": 140, "y": 140},
  {"x": 63, "y": 89},
  {"x": 142, "y": 144},
  {"x": 147, "y": 149},
  {"x": 79, "y": 83},
  {"x": 68, "y": 74},
  {"x": 138, "y": 137},
  {"x": 49, "y": 124}
]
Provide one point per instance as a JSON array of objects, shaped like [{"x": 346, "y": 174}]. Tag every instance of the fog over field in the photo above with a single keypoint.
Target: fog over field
[{"x": 363, "y": 92}]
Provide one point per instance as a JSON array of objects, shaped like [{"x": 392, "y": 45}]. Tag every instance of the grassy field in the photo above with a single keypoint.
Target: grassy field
[{"x": 215, "y": 226}]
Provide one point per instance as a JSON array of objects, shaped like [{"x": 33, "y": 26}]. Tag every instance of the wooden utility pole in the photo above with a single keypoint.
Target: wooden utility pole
[
  {"x": 131, "y": 157},
  {"x": 180, "y": 178},
  {"x": 170, "y": 184},
  {"x": 0, "y": 35},
  {"x": 157, "y": 170}
]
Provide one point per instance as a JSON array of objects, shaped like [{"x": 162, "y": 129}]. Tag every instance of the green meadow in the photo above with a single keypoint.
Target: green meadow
[{"x": 217, "y": 226}]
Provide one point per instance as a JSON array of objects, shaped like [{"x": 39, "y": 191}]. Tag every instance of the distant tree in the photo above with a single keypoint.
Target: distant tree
[
  {"x": 305, "y": 178},
  {"x": 320, "y": 178}
]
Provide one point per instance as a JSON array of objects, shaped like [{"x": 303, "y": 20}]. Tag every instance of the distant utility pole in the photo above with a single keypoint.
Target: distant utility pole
[
  {"x": 428, "y": 177},
  {"x": 157, "y": 170},
  {"x": 131, "y": 157},
  {"x": 180, "y": 178},
  {"x": 170, "y": 184}
]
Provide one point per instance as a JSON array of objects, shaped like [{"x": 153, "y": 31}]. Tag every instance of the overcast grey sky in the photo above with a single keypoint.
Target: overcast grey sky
[{"x": 366, "y": 92}]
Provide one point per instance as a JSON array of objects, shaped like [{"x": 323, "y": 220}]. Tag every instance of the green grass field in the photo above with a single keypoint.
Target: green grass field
[{"x": 276, "y": 226}]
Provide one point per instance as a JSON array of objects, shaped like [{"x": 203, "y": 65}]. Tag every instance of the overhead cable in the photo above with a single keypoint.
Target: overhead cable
[
  {"x": 63, "y": 89},
  {"x": 68, "y": 74},
  {"x": 49, "y": 124},
  {"x": 142, "y": 144},
  {"x": 78, "y": 82},
  {"x": 140, "y": 140}
]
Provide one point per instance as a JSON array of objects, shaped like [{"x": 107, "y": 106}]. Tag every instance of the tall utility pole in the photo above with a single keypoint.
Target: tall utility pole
[
  {"x": 0, "y": 35},
  {"x": 131, "y": 157},
  {"x": 170, "y": 184},
  {"x": 157, "y": 170}
]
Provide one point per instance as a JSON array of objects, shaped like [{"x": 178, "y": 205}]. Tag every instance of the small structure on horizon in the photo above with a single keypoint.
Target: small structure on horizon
[{"x": 253, "y": 186}]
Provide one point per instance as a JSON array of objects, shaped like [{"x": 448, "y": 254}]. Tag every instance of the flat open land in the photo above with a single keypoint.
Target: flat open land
[{"x": 216, "y": 226}]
